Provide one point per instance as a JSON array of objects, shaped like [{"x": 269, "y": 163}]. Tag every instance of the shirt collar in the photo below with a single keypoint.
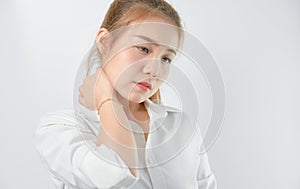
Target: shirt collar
[
  {"x": 158, "y": 113},
  {"x": 160, "y": 107}
]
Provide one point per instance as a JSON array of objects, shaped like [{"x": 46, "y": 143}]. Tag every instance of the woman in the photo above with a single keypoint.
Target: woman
[{"x": 137, "y": 142}]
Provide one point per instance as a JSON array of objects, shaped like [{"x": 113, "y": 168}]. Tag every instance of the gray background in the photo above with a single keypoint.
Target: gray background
[{"x": 255, "y": 43}]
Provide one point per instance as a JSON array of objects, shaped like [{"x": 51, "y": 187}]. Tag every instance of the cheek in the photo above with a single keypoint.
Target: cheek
[
  {"x": 127, "y": 74},
  {"x": 164, "y": 72},
  {"x": 124, "y": 81},
  {"x": 158, "y": 84},
  {"x": 119, "y": 68}
]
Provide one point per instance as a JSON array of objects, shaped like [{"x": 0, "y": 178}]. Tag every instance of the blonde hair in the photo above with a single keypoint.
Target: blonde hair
[{"x": 122, "y": 13}]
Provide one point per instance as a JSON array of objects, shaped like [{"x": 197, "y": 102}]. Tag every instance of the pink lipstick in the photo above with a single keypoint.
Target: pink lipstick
[{"x": 144, "y": 85}]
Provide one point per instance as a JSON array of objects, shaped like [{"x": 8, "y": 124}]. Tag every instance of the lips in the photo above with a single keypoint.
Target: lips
[{"x": 144, "y": 85}]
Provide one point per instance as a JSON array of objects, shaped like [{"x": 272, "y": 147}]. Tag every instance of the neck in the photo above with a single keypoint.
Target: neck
[{"x": 132, "y": 109}]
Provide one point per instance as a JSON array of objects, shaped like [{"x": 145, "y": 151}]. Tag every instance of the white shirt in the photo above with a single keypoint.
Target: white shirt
[{"x": 169, "y": 159}]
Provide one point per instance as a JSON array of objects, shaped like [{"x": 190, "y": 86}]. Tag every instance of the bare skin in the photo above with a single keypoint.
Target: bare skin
[
  {"x": 138, "y": 113},
  {"x": 115, "y": 131}
]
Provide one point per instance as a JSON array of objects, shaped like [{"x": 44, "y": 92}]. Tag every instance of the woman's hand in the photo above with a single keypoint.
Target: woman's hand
[{"x": 95, "y": 89}]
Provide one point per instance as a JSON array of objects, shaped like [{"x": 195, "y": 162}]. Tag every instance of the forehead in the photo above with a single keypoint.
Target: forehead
[{"x": 160, "y": 33}]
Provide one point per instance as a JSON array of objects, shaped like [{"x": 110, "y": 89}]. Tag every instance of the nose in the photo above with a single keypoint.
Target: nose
[{"x": 152, "y": 67}]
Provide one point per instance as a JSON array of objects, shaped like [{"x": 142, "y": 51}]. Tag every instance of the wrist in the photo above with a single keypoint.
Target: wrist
[{"x": 111, "y": 100}]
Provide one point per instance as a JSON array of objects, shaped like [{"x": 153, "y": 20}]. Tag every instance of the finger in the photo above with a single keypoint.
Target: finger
[
  {"x": 80, "y": 90},
  {"x": 82, "y": 101},
  {"x": 104, "y": 72},
  {"x": 99, "y": 68}
]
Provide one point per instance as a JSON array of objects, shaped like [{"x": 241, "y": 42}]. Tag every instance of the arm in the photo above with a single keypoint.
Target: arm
[
  {"x": 77, "y": 161},
  {"x": 115, "y": 131}
]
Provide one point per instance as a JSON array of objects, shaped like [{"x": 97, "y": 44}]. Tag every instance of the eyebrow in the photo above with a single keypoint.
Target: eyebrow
[{"x": 154, "y": 42}]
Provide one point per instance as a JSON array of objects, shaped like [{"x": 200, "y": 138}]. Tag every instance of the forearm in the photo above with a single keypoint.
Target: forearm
[{"x": 115, "y": 132}]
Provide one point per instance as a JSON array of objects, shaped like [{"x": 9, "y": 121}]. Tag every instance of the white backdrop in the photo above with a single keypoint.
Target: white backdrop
[{"x": 255, "y": 43}]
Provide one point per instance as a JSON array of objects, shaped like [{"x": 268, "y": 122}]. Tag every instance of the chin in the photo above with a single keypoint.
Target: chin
[{"x": 137, "y": 98}]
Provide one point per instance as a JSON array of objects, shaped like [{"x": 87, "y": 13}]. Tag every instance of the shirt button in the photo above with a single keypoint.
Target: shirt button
[{"x": 149, "y": 160}]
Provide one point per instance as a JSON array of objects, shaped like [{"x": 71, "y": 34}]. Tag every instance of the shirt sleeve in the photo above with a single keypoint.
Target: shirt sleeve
[
  {"x": 205, "y": 178},
  {"x": 67, "y": 146}
]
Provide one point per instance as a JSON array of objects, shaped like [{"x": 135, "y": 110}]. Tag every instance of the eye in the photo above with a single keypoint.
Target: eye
[
  {"x": 143, "y": 49},
  {"x": 166, "y": 60}
]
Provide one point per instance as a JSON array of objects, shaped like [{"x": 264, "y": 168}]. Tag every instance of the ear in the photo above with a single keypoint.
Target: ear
[{"x": 102, "y": 32}]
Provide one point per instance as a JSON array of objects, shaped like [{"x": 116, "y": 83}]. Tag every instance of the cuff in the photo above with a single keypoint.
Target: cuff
[{"x": 105, "y": 169}]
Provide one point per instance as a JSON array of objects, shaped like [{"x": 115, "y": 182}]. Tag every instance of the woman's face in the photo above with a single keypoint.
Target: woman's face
[{"x": 137, "y": 61}]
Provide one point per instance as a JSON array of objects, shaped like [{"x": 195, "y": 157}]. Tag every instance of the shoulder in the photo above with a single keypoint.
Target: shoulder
[{"x": 66, "y": 116}]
